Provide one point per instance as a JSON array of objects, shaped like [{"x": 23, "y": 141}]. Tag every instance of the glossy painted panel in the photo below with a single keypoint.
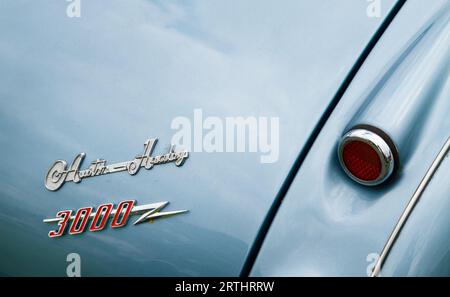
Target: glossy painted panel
[
  {"x": 104, "y": 83},
  {"x": 408, "y": 89},
  {"x": 337, "y": 226}
]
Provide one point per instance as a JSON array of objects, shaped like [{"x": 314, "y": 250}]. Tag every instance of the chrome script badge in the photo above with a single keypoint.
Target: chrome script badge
[
  {"x": 58, "y": 173},
  {"x": 120, "y": 215}
]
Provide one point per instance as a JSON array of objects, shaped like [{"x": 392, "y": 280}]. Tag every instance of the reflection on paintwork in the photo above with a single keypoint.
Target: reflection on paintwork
[
  {"x": 329, "y": 229},
  {"x": 102, "y": 83}
]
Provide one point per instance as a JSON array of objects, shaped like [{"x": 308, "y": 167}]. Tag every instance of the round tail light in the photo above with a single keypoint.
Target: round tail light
[{"x": 366, "y": 156}]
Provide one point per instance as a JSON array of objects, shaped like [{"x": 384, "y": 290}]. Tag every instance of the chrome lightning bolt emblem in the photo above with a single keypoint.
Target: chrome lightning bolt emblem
[
  {"x": 79, "y": 220},
  {"x": 58, "y": 173}
]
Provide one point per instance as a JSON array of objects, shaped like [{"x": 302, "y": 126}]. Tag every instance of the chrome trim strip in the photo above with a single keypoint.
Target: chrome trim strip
[{"x": 410, "y": 206}]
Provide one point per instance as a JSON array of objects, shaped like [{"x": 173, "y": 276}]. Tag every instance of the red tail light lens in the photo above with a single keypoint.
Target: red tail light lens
[
  {"x": 366, "y": 157},
  {"x": 361, "y": 160}
]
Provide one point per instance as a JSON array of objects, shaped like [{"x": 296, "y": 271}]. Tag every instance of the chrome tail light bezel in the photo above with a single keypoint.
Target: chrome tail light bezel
[{"x": 383, "y": 146}]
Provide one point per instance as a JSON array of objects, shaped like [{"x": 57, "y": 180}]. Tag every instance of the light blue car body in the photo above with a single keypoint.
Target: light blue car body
[{"x": 105, "y": 82}]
